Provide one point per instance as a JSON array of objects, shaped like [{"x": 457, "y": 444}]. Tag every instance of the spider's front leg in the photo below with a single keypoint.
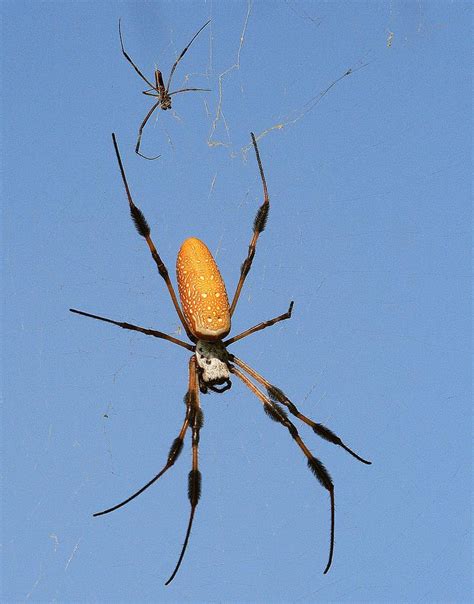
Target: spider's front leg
[
  {"x": 194, "y": 478},
  {"x": 176, "y": 446},
  {"x": 277, "y": 414},
  {"x": 140, "y": 132},
  {"x": 278, "y": 396}
]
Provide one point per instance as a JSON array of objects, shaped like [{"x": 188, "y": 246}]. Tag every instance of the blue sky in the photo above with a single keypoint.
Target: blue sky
[{"x": 369, "y": 233}]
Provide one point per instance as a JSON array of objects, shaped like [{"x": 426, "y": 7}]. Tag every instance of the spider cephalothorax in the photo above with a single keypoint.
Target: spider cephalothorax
[
  {"x": 205, "y": 314},
  {"x": 213, "y": 366},
  {"x": 165, "y": 102}
]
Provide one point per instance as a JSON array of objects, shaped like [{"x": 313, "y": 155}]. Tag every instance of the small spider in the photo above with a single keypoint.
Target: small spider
[
  {"x": 205, "y": 314},
  {"x": 158, "y": 89}
]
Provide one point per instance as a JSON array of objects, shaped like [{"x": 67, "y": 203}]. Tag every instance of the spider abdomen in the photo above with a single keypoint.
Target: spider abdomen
[{"x": 202, "y": 291}]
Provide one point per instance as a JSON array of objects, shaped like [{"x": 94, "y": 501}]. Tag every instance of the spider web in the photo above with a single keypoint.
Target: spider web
[
  {"x": 294, "y": 116},
  {"x": 91, "y": 411}
]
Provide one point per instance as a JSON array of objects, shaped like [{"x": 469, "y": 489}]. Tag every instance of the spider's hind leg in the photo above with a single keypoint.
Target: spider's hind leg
[{"x": 258, "y": 226}]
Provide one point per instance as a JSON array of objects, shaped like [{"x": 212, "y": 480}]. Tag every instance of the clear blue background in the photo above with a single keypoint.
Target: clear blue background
[{"x": 369, "y": 233}]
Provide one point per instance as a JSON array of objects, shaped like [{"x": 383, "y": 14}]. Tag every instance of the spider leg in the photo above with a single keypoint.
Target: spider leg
[
  {"x": 130, "y": 60},
  {"x": 144, "y": 230},
  {"x": 183, "y": 52},
  {"x": 148, "y": 332},
  {"x": 190, "y": 90},
  {"x": 278, "y": 396},
  {"x": 260, "y": 326},
  {"x": 140, "y": 130},
  {"x": 258, "y": 226},
  {"x": 194, "y": 478},
  {"x": 277, "y": 414},
  {"x": 175, "y": 449}
]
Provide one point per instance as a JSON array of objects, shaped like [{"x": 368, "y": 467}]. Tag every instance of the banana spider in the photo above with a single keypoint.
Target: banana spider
[
  {"x": 158, "y": 89},
  {"x": 205, "y": 314}
]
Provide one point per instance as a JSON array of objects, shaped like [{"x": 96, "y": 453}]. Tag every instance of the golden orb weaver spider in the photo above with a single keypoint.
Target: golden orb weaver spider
[
  {"x": 158, "y": 90},
  {"x": 206, "y": 317}
]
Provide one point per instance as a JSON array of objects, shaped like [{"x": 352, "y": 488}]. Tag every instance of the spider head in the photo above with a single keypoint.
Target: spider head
[
  {"x": 212, "y": 361},
  {"x": 165, "y": 101}
]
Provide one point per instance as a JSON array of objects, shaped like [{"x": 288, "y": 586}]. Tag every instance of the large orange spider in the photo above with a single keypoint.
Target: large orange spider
[{"x": 206, "y": 314}]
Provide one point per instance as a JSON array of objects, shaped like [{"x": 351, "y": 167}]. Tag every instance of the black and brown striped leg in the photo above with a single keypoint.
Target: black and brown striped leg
[
  {"x": 277, "y": 414},
  {"x": 258, "y": 226},
  {"x": 260, "y": 326},
  {"x": 176, "y": 447},
  {"x": 183, "y": 52},
  {"x": 144, "y": 230},
  {"x": 140, "y": 131},
  {"x": 279, "y": 396},
  {"x": 194, "y": 478},
  {"x": 148, "y": 332}
]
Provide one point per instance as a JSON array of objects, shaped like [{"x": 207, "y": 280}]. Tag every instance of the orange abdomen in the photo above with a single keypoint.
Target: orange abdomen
[{"x": 202, "y": 291}]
